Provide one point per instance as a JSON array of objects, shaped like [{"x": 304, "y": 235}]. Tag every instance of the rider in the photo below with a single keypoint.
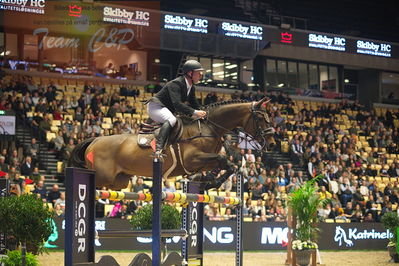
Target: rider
[{"x": 177, "y": 95}]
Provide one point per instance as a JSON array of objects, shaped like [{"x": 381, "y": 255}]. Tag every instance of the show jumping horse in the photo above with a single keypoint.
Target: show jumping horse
[{"x": 118, "y": 157}]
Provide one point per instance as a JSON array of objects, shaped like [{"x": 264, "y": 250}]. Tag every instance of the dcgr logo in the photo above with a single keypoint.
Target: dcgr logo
[{"x": 81, "y": 213}]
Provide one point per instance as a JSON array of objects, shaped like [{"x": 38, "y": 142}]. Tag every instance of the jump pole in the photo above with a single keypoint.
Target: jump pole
[
  {"x": 156, "y": 211},
  {"x": 239, "y": 221}
]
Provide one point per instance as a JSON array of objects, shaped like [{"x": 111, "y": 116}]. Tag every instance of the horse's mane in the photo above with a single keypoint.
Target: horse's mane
[
  {"x": 217, "y": 104},
  {"x": 188, "y": 120}
]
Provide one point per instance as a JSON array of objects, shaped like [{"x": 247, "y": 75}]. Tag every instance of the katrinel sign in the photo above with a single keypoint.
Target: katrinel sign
[
  {"x": 29, "y": 6},
  {"x": 239, "y": 30},
  {"x": 326, "y": 42},
  {"x": 373, "y": 48},
  {"x": 176, "y": 22}
]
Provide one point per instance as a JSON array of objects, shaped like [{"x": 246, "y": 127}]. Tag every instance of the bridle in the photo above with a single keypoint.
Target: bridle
[{"x": 257, "y": 117}]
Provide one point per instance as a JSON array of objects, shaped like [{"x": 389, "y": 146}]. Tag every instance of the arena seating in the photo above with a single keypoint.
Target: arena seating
[{"x": 341, "y": 116}]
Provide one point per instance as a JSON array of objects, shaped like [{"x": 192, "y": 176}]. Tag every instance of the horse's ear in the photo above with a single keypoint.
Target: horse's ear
[{"x": 259, "y": 104}]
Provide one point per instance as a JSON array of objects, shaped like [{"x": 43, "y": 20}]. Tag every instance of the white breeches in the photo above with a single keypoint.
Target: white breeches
[{"x": 160, "y": 114}]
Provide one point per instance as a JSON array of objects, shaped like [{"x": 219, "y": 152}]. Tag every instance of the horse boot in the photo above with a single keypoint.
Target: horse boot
[
  {"x": 217, "y": 183},
  {"x": 162, "y": 138}
]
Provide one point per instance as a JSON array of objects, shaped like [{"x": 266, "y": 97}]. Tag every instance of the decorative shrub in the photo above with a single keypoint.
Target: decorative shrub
[
  {"x": 142, "y": 220},
  {"x": 26, "y": 219},
  {"x": 14, "y": 258}
]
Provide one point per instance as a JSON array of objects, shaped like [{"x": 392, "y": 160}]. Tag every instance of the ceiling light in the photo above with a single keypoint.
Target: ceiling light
[
  {"x": 217, "y": 64},
  {"x": 231, "y": 66},
  {"x": 218, "y": 73}
]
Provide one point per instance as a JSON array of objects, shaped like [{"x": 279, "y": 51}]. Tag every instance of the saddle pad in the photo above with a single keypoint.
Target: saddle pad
[
  {"x": 144, "y": 140},
  {"x": 146, "y": 135}
]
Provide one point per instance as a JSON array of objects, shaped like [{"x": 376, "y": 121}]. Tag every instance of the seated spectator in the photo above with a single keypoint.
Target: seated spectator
[
  {"x": 358, "y": 197},
  {"x": 59, "y": 143},
  {"x": 211, "y": 211},
  {"x": 247, "y": 207},
  {"x": 324, "y": 194},
  {"x": 282, "y": 181},
  {"x": 59, "y": 211},
  {"x": 27, "y": 167},
  {"x": 271, "y": 214},
  {"x": 3, "y": 165},
  {"x": 346, "y": 191},
  {"x": 168, "y": 187},
  {"x": 35, "y": 175},
  {"x": 113, "y": 110},
  {"x": 250, "y": 157},
  {"x": 324, "y": 212},
  {"x": 61, "y": 200},
  {"x": 369, "y": 218},
  {"x": 341, "y": 215},
  {"x": 257, "y": 192},
  {"x": 348, "y": 212},
  {"x": 229, "y": 215},
  {"x": 268, "y": 186},
  {"x": 32, "y": 150},
  {"x": 123, "y": 212},
  {"x": 258, "y": 209},
  {"x": 293, "y": 185},
  {"x": 54, "y": 194},
  {"x": 15, "y": 159},
  {"x": 117, "y": 207},
  {"x": 41, "y": 190},
  {"x": 297, "y": 151},
  {"x": 280, "y": 211},
  {"x": 69, "y": 147},
  {"x": 139, "y": 186}
]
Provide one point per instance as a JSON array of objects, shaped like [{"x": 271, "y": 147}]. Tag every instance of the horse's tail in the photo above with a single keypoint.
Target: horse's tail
[{"x": 77, "y": 156}]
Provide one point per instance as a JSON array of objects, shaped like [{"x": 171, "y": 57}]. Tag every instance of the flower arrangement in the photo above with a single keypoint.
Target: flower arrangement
[{"x": 303, "y": 245}]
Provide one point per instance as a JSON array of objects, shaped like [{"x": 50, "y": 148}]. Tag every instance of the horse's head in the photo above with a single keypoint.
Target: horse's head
[{"x": 259, "y": 125}]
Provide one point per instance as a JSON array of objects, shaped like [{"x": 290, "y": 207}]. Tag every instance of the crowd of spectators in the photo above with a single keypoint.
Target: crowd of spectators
[{"x": 351, "y": 161}]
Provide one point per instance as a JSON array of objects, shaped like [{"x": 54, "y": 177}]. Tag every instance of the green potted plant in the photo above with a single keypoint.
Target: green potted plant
[
  {"x": 390, "y": 220},
  {"x": 171, "y": 219},
  {"x": 304, "y": 203},
  {"x": 27, "y": 221},
  {"x": 14, "y": 258}
]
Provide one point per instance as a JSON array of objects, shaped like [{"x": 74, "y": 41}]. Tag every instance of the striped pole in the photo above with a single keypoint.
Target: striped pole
[
  {"x": 168, "y": 196},
  {"x": 119, "y": 195}
]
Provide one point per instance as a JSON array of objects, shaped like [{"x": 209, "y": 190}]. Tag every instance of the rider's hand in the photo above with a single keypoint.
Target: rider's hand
[{"x": 200, "y": 113}]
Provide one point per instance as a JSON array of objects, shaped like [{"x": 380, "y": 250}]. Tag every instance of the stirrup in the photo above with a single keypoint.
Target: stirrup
[{"x": 159, "y": 154}]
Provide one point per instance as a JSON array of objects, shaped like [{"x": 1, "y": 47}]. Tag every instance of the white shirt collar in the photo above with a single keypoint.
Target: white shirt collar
[{"x": 188, "y": 86}]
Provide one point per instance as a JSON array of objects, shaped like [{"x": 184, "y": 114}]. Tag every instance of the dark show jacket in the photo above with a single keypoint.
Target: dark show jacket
[{"x": 174, "y": 97}]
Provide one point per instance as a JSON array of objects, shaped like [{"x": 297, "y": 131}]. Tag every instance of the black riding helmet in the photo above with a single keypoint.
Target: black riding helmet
[{"x": 191, "y": 65}]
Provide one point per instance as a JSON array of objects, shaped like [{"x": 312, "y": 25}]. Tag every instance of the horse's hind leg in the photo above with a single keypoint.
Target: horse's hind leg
[{"x": 105, "y": 173}]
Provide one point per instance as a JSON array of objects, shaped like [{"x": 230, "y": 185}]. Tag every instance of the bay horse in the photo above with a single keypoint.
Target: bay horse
[{"x": 116, "y": 158}]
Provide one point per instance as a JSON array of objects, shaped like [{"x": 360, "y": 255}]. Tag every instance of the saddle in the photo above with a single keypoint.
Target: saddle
[{"x": 150, "y": 130}]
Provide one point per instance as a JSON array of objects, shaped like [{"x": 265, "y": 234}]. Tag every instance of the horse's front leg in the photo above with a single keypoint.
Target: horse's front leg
[{"x": 214, "y": 161}]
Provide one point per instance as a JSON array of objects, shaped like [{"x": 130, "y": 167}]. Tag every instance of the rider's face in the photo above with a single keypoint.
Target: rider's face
[{"x": 197, "y": 76}]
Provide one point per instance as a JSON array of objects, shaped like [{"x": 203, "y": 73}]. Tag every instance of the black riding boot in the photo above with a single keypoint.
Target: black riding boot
[{"x": 163, "y": 137}]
